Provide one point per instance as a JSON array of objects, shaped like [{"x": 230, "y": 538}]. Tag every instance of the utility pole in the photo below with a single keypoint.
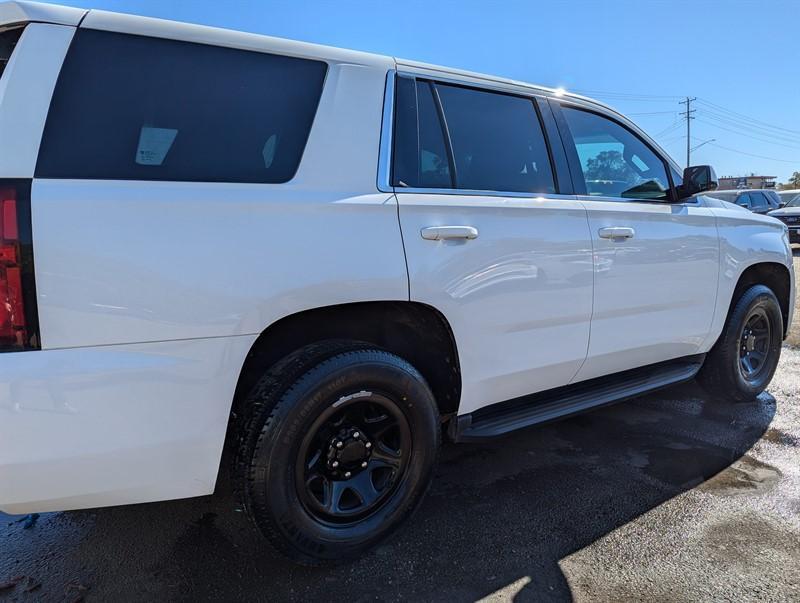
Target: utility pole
[{"x": 689, "y": 118}]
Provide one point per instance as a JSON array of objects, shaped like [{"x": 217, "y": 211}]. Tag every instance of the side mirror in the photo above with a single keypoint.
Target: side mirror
[{"x": 697, "y": 179}]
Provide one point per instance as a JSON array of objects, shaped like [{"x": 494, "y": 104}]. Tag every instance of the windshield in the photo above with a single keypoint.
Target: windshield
[{"x": 789, "y": 198}]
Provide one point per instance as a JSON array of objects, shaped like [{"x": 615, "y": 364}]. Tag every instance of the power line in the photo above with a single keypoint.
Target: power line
[
  {"x": 675, "y": 124},
  {"x": 654, "y": 113},
  {"x": 629, "y": 94},
  {"x": 746, "y": 127},
  {"x": 751, "y": 137},
  {"x": 710, "y": 107},
  {"x": 672, "y": 139},
  {"x": 744, "y": 117},
  {"x": 713, "y": 144}
]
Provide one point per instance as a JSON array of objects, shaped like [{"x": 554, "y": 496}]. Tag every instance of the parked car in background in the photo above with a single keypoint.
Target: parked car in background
[
  {"x": 787, "y": 197},
  {"x": 772, "y": 194},
  {"x": 789, "y": 214},
  {"x": 327, "y": 261},
  {"x": 759, "y": 201}
]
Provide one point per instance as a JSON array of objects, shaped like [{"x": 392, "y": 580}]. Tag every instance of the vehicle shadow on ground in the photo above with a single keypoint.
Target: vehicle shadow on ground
[{"x": 501, "y": 514}]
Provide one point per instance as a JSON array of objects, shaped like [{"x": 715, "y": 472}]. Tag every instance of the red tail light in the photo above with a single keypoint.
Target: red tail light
[{"x": 14, "y": 328}]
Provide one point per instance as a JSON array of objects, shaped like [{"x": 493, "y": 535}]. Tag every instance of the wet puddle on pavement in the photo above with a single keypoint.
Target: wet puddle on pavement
[{"x": 745, "y": 475}]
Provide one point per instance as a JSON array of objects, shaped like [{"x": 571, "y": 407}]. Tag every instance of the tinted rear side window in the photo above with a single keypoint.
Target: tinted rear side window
[
  {"x": 496, "y": 140},
  {"x": 498, "y": 144},
  {"x": 420, "y": 152},
  {"x": 136, "y": 108}
]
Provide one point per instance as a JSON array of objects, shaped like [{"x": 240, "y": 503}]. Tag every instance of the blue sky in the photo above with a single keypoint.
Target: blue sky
[{"x": 740, "y": 59}]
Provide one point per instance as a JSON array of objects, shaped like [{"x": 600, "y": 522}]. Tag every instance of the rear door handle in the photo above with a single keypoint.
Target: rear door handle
[
  {"x": 616, "y": 232},
  {"x": 440, "y": 233}
]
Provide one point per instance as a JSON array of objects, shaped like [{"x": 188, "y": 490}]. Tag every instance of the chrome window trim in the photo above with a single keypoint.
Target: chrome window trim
[
  {"x": 387, "y": 125},
  {"x": 478, "y": 193},
  {"x": 604, "y": 198}
]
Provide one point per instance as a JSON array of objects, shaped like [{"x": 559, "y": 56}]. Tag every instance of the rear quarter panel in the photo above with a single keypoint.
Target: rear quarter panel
[{"x": 124, "y": 262}]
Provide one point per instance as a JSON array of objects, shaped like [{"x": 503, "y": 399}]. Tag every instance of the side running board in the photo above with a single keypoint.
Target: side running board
[{"x": 501, "y": 418}]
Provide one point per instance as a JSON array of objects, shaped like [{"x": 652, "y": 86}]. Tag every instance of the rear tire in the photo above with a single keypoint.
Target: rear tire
[
  {"x": 338, "y": 450},
  {"x": 743, "y": 361}
]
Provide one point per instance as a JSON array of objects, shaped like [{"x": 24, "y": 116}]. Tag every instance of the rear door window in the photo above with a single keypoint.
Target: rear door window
[
  {"x": 468, "y": 139},
  {"x": 497, "y": 141},
  {"x": 136, "y": 108}
]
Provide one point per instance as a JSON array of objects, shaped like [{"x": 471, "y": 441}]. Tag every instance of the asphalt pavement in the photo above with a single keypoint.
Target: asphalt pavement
[{"x": 671, "y": 497}]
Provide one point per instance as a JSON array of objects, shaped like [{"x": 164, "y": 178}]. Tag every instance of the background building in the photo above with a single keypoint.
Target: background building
[{"x": 733, "y": 182}]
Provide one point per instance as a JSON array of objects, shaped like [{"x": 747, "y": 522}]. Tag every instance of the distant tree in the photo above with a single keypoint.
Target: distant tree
[
  {"x": 793, "y": 182},
  {"x": 610, "y": 165}
]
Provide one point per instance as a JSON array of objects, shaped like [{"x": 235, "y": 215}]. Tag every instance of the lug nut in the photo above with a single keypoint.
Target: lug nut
[
  {"x": 368, "y": 444},
  {"x": 339, "y": 444},
  {"x": 364, "y": 464},
  {"x": 347, "y": 474},
  {"x": 335, "y": 464},
  {"x": 356, "y": 434}
]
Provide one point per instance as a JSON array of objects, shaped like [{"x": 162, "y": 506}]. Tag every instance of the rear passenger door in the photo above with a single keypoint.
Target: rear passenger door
[
  {"x": 492, "y": 240},
  {"x": 656, "y": 260}
]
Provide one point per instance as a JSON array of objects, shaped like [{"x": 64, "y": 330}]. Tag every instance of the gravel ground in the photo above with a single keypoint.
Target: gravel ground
[{"x": 674, "y": 496}]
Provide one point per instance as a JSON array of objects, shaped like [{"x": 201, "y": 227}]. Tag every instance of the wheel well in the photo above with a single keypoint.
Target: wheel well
[
  {"x": 416, "y": 332},
  {"x": 776, "y": 277}
]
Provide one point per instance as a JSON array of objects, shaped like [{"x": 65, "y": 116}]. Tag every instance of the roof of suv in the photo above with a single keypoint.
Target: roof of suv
[
  {"x": 25, "y": 12},
  {"x": 22, "y": 11}
]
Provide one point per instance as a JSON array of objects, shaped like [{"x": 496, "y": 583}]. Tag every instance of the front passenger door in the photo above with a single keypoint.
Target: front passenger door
[{"x": 656, "y": 261}]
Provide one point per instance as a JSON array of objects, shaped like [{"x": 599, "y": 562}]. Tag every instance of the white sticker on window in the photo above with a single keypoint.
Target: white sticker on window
[{"x": 154, "y": 144}]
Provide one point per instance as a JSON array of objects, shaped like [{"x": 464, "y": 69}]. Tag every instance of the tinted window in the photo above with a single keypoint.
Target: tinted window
[
  {"x": 758, "y": 200},
  {"x": 497, "y": 141},
  {"x": 135, "y": 108},
  {"x": 8, "y": 42},
  {"x": 434, "y": 167},
  {"x": 614, "y": 161},
  {"x": 677, "y": 177},
  {"x": 772, "y": 198},
  {"x": 420, "y": 151},
  {"x": 744, "y": 201}
]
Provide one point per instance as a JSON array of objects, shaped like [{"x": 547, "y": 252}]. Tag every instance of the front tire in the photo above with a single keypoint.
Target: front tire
[
  {"x": 339, "y": 452},
  {"x": 743, "y": 361}
]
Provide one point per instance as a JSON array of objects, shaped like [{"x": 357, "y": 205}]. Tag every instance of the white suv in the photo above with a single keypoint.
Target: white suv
[{"x": 329, "y": 260}]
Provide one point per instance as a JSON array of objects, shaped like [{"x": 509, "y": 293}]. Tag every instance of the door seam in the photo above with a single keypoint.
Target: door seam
[{"x": 594, "y": 291}]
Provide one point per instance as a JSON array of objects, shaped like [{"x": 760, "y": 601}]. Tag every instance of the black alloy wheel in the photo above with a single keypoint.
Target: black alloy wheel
[
  {"x": 336, "y": 450},
  {"x": 744, "y": 358},
  {"x": 353, "y": 457},
  {"x": 755, "y": 344}
]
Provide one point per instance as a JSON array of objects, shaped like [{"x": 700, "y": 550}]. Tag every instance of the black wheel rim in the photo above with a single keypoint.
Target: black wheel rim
[
  {"x": 754, "y": 344},
  {"x": 353, "y": 457}
]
